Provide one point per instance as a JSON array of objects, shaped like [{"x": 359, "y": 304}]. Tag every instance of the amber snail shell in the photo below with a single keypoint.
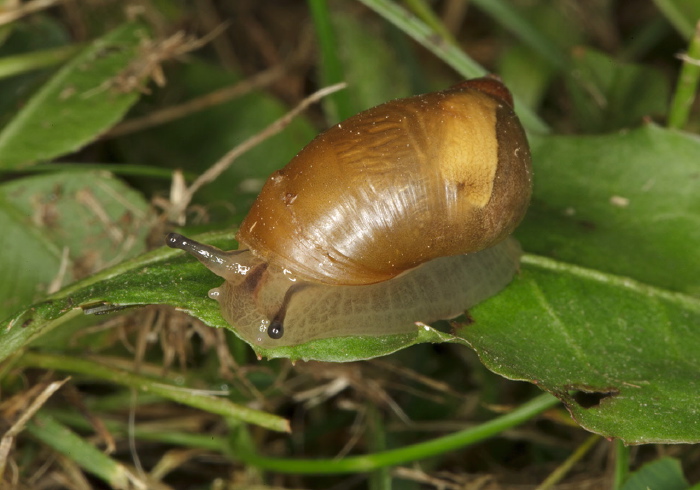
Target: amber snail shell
[{"x": 397, "y": 215}]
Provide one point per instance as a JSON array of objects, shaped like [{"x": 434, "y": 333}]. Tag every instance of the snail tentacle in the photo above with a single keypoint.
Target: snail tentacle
[
  {"x": 276, "y": 328},
  {"x": 218, "y": 261}
]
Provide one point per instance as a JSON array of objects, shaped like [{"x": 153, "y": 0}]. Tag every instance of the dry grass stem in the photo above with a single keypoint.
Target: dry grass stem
[
  {"x": 210, "y": 19},
  {"x": 419, "y": 476},
  {"x": 69, "y": 474},
  {"x": 434, "y": 384},
  {"x": 147, "y": 65},
  {"x": 57, "y": 281},
  {"x": 172, "y": 113},
  {"x": 687, "y": 59},
  {"x": 177, "y": 212},
  {"x": 9, "y": 437},
  {"x": 563, "y": 469},
  {"x": 172, "y": 460},
  {"x": 12, "y": 14},
  {"x": 357, "y": 430}
]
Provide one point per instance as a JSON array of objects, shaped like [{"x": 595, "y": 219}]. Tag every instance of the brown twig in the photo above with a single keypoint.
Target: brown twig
[{"x": 212, "y": 99}]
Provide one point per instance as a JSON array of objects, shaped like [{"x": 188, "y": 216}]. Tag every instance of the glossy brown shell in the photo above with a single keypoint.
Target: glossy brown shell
[{"x": 392, "y": 187}]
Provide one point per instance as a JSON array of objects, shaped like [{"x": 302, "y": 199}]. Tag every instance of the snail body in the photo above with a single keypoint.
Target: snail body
[{"x": 397, "y": 215}]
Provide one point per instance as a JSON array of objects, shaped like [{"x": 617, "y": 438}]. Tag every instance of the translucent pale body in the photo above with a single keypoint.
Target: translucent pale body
[{"x": 440, "y": 289}]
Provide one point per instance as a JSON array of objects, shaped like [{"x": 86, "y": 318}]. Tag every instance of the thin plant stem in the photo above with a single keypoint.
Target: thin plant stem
[
  {"x": 427, "y": 15},
  {"x": 687, "y": 84},
  {"x": 622, "y": 463},
  {"x": 670, "y": 10},
  {"x": 117, "y": 169},
  {"x": 11, "y": 15},
  {"x": 331, "y": 67},
  {"x": 8, "y": 438},
  {"x": 217, "y": 97},
  {"x": 415, "y": 452},
  {"x": 557, "y": 475},
  {"x": 208, "y": 403},
  {"x": 168, "y": 433},
  {"x": 23, "y": 63},
  {"x": 213, "y": 172},
  {"x": 379, "y": 479},
  {"x": 85, "y": 454},
  {"x": 451, "y": 54}
]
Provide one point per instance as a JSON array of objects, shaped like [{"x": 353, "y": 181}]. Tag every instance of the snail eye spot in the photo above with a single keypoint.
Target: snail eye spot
[{"x": 275, "y": 330}]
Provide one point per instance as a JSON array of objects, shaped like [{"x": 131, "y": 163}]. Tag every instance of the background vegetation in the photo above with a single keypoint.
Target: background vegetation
[{"x": 111, "y": 109}]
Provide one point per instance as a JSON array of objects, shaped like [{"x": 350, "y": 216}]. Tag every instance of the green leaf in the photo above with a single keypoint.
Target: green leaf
[
  {"x": 167, "y": 276},
  {"x": 626, "y": 203},
  {"x": 621, "y": 355},
  {"x": 607, "y": 94},
  {"x": 29, "y": 262},
  {"x": 631, "y": 347},
  {"x": 662, "y": 474},
  {"x": 19, "y": 64},
  {"x": 78, "y": 103},
  {"x": 95, "y": 217},
  {"x": 25, "y": 38},
  {"x": 90, "y": 458},
  {"x": 526, "y": 73}
]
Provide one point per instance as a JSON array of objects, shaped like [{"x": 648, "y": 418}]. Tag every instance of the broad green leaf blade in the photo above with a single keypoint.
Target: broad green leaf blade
[
  {"x": 78, "y": 103},
  {"x": 625, "y": 203},
  {"x": 622, "y": 356},
  {"x": 134, "y": 282},
  {"x": 28, "y": 261},
  {"x": 92, "y": 216},
  {"x": 665, "y": 473},
  {"x": 167, "y": 276}
]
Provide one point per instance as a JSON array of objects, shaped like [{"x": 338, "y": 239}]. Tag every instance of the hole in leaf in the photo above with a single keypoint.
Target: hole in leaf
[{"x": 590, "y": 399}]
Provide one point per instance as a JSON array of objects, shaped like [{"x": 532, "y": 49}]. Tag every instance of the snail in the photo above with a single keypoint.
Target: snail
[{"x": 398, "y": 216}]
